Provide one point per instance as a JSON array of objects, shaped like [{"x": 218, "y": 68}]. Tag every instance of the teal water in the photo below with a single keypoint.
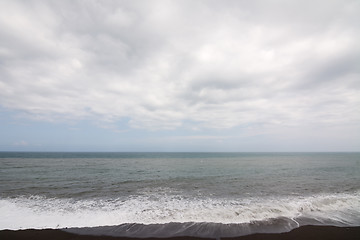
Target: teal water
[{"x": 98, "y": 189}]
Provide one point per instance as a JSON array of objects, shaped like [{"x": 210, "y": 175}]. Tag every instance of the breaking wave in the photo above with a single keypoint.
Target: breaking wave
[{"x": 161, "y": 215}]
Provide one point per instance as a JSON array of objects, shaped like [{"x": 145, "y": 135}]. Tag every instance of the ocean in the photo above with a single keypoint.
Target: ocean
[{"x": 178, "y": 194}]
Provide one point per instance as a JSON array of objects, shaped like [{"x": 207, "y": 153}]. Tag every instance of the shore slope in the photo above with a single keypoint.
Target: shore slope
[{"x": 305, "y": 232}]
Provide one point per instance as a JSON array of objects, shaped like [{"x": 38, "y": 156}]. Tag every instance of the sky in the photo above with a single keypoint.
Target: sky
[{"x": 180, "y": 75}]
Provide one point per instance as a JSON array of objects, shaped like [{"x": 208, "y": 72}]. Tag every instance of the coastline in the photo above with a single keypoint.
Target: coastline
[{"x": 304, "y": 232}]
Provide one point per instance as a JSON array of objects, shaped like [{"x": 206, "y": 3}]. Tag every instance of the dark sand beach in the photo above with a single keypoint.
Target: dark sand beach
[{"x": 305, "y": 232}]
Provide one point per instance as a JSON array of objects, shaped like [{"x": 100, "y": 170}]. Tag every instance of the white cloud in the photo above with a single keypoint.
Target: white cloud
[
  {"x": 21, "y": 143},
  {"x": 163, "y": 64}
]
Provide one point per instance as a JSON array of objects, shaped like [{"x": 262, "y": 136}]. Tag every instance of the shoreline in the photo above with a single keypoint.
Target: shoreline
[{"x": 305, "y": 232}]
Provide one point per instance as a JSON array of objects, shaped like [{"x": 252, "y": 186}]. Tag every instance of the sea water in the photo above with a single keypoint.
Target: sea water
[{"x": 178, "y": 194}]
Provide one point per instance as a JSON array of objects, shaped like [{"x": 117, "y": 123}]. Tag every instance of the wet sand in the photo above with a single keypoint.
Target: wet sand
[{"x": 305, "y": 232}]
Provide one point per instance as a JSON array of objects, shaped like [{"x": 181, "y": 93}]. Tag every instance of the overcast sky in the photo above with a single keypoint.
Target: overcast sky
[{"x": 180, "y": 75}]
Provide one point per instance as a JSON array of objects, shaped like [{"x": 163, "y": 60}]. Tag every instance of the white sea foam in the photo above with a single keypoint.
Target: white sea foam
[{"x": 39, "y": 212}]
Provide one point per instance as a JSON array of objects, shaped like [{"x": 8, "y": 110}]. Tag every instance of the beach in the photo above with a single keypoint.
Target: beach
[
  {"x": 179, "y": 120},
  {"x": 172, "y": 195},
  {"x": 305, "y": 232}
]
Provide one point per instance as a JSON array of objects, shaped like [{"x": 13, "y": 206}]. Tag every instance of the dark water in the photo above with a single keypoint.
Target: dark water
[{"x": 199, "y": 194}]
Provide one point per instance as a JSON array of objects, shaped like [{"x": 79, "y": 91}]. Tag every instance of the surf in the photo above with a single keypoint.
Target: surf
[{"x": 187, "y": 213}]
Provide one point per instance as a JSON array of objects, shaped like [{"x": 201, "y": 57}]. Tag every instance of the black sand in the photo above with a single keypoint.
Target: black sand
[{"x": 305, "y": 232}]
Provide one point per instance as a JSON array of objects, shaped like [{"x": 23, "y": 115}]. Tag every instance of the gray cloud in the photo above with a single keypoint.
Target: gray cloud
[{"x": 163, "y": 64}]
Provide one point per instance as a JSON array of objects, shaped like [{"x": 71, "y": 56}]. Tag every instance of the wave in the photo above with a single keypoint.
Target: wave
[
  {"x": 189, "y": 229},
  {"x": 138, "y": 216}
]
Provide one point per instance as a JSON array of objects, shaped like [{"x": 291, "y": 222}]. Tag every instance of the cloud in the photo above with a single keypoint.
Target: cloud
[
  {"x": 21, "y": 143},
  {"x": 171, "y": 64}
]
